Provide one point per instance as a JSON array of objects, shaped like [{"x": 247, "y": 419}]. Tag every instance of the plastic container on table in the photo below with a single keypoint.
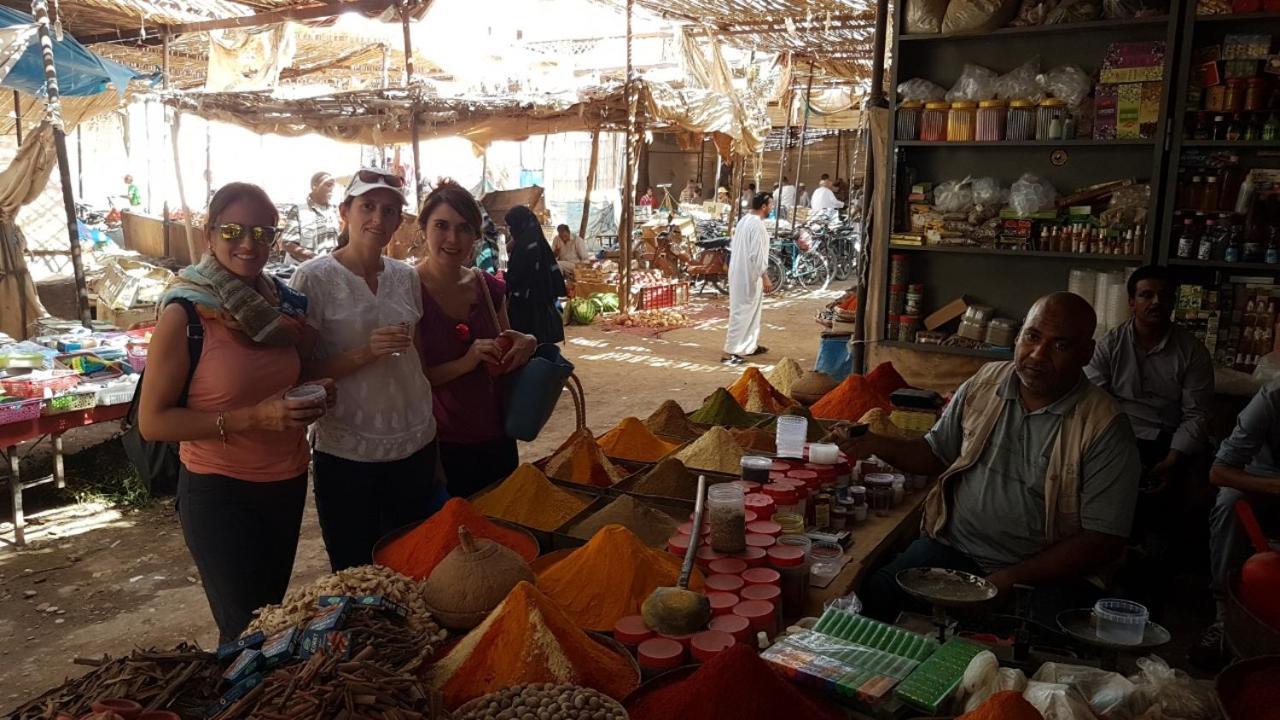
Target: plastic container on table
[
  {"x": 790, "y": 435},
  {"x": 909, "y": 120},
  {"x": 824, "y": 453},
  {"x": 762, "y": 576},
  {"x": 20, "y": 411},
  {"x": 786, "y": 501},
  {"x": 678, "y": 544},
  {"x": 748, "y": 487},
  {"x": 826, "y": 558},
  {"x": 724, "y": 583},
  {"x": 1021, "y": 123},
  {"x": 709, "y": 643},
  {"x": 769, "y": 593},
  {"x": 765, "y": 527},
  {"x": 1120, "y": 621},
  {"x": 71, "y": 401},
  {"x": 657, "y": 655},
  {"x": 631, "y": 631},
  {"x": 721, "y": 602},
  {"x": 933, "y": 121},
  {"x": 727, "y": 517},
  {"x": 760, "y": 504},
  {"x": 756, "y": 469},
  {"x": 727, "y": 566},
  {"x": 737, "y": 626},
  {"x": 760, "y": 542},
  {"x": 762, "y": 615},
  {"x": 789, "y": 523},
  {"x": 790, "y": 557},
  {"x": 754, "y": 557},
  {"x": 992, "y": 116},
  {"x": 1051, "y": 118},
  {"x": 705, "y": 555},
  {"x": 962, "y": 121}
]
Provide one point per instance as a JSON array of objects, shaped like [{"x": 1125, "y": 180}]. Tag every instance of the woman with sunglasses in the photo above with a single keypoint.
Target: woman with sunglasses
[
  {"x": 466, "y": 342},
  {"x": 375, "y": 452},
  {"x": 242, "y": 483}
]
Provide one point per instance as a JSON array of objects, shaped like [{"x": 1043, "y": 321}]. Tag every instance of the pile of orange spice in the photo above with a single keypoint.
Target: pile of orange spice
[
  {"x": 631, "y": 440},
  {"x": 580, "y": 460},
  {"x": 754, "y": 393},
  {"x": 528, "y": 639},
  {"x": 528, "y": 498},
  {"x": 609, "y": 578},
  {"x": 417, "y": 552}
]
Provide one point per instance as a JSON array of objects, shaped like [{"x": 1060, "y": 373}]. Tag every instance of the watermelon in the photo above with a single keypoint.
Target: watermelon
[{"x": 584, "y": 311}]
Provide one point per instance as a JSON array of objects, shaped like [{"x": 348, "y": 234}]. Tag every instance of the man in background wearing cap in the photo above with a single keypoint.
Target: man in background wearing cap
[{"x": 313, "y": 226}]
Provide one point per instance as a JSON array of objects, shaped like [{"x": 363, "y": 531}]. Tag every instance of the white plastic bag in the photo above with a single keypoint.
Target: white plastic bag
[
  {"x": 1057, "y": 702},
  {"x": 1163, "y": 692},
  {"x": 1030, "y": 194},
  {"x": 1268, "y": 368},
  {"x": 988, "y": 191},
  {"x": 1072, "y": 11},
  {"x": 953, "y": 196},
  {"x": 925, "y": 16},
  {"x": 1020, "y": 83},
  {"x": 984, "y": 677},
  {"x": 1067, "y": 82},
  {"x": 976, "y": 15},
  {"x": 1104, "y": 691},
  {"x": 975, "y": 84},
  {"x": 920, "y": 90}
]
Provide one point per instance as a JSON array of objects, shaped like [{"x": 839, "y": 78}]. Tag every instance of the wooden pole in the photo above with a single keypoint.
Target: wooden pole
[
  {"x": 839, "y": 147},
  {"x": 804, "y": 131},
  {"x": 53, "y": 113},
  {"x": 591, "y": 181},
  {"x": 702, "y": 154},
  {"x": 80, "y": 160},
  {"x": 628, "y": 182},
  {"x": 877, "y": 99},
  {"x": 782, "y": 159},
  {"x": 17, "y": 116},
  {"x": 413, "y": 107}
]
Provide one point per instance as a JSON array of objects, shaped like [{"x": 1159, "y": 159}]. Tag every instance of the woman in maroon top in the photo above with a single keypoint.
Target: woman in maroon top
[{"x": 466, "y": 343}]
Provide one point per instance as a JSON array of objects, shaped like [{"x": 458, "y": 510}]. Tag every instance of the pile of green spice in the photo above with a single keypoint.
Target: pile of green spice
[
  {"x": 816, "y": 431},
  {"x": 721, "y": 409}
]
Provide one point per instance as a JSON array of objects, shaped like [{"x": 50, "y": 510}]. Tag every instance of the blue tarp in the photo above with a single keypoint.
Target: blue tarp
[{"x": 80, "y": 72}]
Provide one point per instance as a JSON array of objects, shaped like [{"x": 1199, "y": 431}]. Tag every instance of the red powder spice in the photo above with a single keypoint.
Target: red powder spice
[
  {"x": 734, "y": 684},
  {"x": 886, "y": 380},
  {"x": 1254, "y": 694},
  {"x": 1007, "y": 705},
  {"x": 416, "y": 553},
  {"x": 850, "y": 400}
]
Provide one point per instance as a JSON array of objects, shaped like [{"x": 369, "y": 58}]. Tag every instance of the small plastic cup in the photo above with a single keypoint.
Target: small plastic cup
[
  {"x": 308, "y": 392},
  {"x": 824, "y": 453},
  {"x": 756, "y": 469},
  {"x": 790, "y": 437},
  {"x": 1120, "y": 621}
]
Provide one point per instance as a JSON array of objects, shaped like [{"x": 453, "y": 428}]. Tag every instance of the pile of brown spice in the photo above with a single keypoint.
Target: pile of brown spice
[
  {"x": 528, "y": 498},
  {"x": 784, "y": 375},
  {"x": 652, "y": 526},
  {"x": 669, "y": 478},
  {"x": 756, "y": 439},
  {"x": 670, "y": 421},
  {"x": 580, "y": 460},
  {"x": 715, "y": 451}
]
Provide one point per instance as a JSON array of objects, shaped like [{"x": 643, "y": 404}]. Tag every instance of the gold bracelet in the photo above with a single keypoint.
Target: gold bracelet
[{"x": 222, "y": 428}]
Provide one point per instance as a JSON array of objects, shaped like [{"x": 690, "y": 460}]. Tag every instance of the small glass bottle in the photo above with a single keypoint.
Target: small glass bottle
[
  {"x": 1271, "y": 128},
  {"x": 1209, "y": 198},
  {"x": 728, "y": 518}
]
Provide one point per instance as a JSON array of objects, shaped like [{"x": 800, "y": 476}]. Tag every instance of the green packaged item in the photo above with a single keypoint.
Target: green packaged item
[
  {"x": 933, "y": 681},
  {"x": 855, "y": 628}
]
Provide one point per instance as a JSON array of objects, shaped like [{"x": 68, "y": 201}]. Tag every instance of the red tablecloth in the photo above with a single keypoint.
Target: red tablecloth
[{"x": 14, "y": 433}]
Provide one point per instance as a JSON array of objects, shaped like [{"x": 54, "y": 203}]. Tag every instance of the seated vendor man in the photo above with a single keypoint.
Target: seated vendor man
[
  {"x": 1247, "y": 467},
  {"x": 1038, "y": 472}
]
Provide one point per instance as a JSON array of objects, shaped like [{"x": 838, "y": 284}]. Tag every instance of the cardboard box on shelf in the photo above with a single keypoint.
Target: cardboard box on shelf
[
  {"x": 1128, "y": 110},
  {"x": 945, "y": 314},
  {"x": 1104, "y": 119},
  {"x": 1149, "y": 110}
]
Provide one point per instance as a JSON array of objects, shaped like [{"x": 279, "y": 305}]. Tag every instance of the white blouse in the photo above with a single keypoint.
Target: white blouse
[{"x": 384, "y": 409}]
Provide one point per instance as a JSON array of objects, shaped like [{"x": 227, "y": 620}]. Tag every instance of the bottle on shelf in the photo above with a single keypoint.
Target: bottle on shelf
[
  {"x": 1204, "y": 251},
  {"x": 1212, "y": 193},
  {"x": 1233, "y": 251},
  {"x": 1271, "y": 128},
  {"x": 1189, "y": 240}
]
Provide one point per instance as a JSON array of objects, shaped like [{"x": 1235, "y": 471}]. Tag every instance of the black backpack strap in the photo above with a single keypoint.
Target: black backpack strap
[{"x": 195, "y": 344}]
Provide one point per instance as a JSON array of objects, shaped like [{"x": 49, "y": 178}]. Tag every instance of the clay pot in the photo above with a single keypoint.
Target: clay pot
[
  {"x": 472, "y": 580},
  {"x": 811, "y": 386},
  {"x": 107, "y": 715},
  {"x": 159, "y": 715},
  {"x": 125, "y": 708}
]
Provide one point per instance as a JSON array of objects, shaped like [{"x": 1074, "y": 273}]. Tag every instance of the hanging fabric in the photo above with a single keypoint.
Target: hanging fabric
[
  {"x": 20, "y": 183},
  {"x": 245, "y": 59}
]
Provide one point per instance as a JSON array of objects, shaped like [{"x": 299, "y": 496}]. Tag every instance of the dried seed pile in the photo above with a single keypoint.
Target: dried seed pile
[
  {"x": 784, "y": 375},
  {"x": 543, "y": 701},
  {"x": 184, "y": 680},
  {"x": 299, "y": 604},
  {"x": 651, "y": 525},
  {"x": 716, "y": 451},
  {"x": 669, "y": 478}
]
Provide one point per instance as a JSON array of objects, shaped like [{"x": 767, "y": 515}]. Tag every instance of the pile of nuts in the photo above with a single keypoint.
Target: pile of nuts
[
  {"x": 299, "y": 604},
  {"x": 542, "y": 701}
]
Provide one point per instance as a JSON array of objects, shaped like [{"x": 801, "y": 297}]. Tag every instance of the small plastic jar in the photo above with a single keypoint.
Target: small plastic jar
[
  {"x": 762, "y": 542},
  {"x": 762, "y": 616},
  {"x": 790, "y": 557},
  {"x": 840, "y": 515},
  {"x": 789, "y": 523},
  {"x": 724, "y": 583},
  {"x": 762, "y": 576},
  {"x": 992, "y": 116},
  {"x": 880, "y": 499},
  {"x": 1021, "y": 123},
  {"x": 728, "y": 521},
  {"x": 909, "y": 120},
  {"x": 705, "y": 556},
  {"x": 933, "y": 121},
  {"x": 658, "y": 655},
  {"x": 771, "y": 594},
  {"x": 756, "y": 469},
  {"x": 631, "y": 631},
  {"x": 737, "y": 626},
  {"x": 760, "y": 504},
  {"x": 899, "y": 489},
  {"x": 765, "y": 527},
  {"x": 754, "y": 557},
  {"x": 962, "y": 121},
  {"x": 678, "y": 544},
  {"x": 1050, "y": 119},
  {"x": 785, "y": 499},
  {"x": 721, "y": 603},
  {"x": 727, "y": 566},
  {"x": 710, "y": 643}
]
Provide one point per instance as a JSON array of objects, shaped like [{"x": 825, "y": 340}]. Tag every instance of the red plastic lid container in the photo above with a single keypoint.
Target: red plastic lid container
[
  {"x": 721, "y": 603},
  {"x": 709, "y": 643},
  {"x": 755, "y": 557},
  {"x": 760, "y": 613},
  {"x": 780, "y": 466},
  {"x": 764, "y": 527},
  {"x": 781, "y": 494},
  {"x": 751, "y": 516},
  {"x": 631, "y": 631},
  {"x": 736, "y": 625},
  {"x": 761, "y": 576},
  {"x": 759, "y": 503},
  {"x": 678, "y": 544},
  {"x": 684, "y": 640},
  {"x": 687, "y": 528},
  {"x": 705, "y": 555},
  {"x": 660, "y": 654},
  {"x": 768, "y": 593},
  {"x": 727, "y": 566},
  {"x": 747, "y": 486},
  {"x": 764, "y": 542},
  {"x": 724, "y": 583},
  {"x": 786, "y": 556},
  {"x": 777, "y": 475}
]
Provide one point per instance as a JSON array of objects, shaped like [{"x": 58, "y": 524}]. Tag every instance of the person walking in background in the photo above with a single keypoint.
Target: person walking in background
[
  {"x": 242, "y": 482},
  {"x": 375, "y": 452},
  {"x": 748, "y": 282},
  {"x": 534, "y": 280},
  {"x": 313, "y": 226},
  {"x": 466, "y": 343}
]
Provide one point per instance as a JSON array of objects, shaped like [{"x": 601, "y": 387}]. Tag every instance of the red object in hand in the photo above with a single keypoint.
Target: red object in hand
[
  {"x": 504, "y": 344},
  {"x": 462, "y": 332}
]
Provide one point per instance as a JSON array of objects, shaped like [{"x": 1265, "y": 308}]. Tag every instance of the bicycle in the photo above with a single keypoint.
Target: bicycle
[{"x": 802, "y": 261}]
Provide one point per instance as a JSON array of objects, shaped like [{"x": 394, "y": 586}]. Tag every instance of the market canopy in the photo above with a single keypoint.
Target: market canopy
[{"x": 80, "y": 72}]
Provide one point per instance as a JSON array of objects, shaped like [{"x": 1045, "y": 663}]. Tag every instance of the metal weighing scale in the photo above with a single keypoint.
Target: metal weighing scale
[
  {"x": 1082, "y": 626},
  {"x": 945, "y": 589}
]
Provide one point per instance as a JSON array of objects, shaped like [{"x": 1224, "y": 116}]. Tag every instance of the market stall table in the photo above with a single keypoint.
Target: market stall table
[
  {"x": 872, "y": 538},
  {"x": 53, "y": 427}
]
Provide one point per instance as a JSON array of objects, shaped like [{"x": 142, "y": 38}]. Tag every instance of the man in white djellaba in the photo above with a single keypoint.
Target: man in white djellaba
[{"x": 748, "y": 282}]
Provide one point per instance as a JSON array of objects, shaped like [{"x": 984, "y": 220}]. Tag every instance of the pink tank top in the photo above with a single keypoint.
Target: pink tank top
[{"x": 235, "y": 373}]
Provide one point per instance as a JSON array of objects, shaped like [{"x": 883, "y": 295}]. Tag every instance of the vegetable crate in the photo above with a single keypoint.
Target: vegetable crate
[
  {"x": 20, "y": 411},
  {"x": 667, "y": 295},
  {"x": 41, "y": 383},
  {"x": 71, "y": 402}
]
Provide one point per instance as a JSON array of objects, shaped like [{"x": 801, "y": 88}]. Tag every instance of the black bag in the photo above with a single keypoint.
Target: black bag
[{"x": 156, "y": 463}]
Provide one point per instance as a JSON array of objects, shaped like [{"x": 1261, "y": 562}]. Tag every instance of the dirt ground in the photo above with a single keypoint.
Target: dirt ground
[{"x": 96, "y": 579}]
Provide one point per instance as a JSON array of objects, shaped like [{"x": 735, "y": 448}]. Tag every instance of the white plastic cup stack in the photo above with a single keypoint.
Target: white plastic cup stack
[
  {"x": 824, "y": 453},
  {"x": 791, "y": 434}
]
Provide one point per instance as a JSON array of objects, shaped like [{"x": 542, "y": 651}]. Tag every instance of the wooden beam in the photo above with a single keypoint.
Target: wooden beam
[
  {"x": 591, "y": 181},
  {"x": 306, "y": 12}
]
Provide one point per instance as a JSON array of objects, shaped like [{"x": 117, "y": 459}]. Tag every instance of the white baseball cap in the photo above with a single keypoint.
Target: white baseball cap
[{"x": 367, "y": 179}]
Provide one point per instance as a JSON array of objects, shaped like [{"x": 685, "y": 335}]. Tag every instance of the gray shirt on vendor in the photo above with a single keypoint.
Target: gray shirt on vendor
[
  {"x": 1255, "y": 443},
  {"x": 314, "y": 227},
  {"x": 997, "y": 506},
  {"x": 1168, "y": 389}
]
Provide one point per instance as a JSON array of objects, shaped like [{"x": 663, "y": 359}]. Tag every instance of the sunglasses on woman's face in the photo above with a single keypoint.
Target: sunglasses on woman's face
[
  {"x": 373, "y": 176},
  {"x": 260, "y": 234}
]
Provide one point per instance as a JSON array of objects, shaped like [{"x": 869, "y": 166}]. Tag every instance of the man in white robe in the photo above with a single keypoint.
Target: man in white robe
[
  {"x": 748, "y": 282},
  {"x": 824, "y": 199}
]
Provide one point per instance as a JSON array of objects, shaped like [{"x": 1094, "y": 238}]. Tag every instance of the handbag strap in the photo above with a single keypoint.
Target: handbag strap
[{"x": 488, "y": 300}]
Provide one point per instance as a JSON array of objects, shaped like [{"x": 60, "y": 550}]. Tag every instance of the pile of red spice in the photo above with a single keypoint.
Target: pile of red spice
[
  {"x": 417, "y": 552},
  {"x": 735, "y": 684},
  {"x": 1254, "y": 694},
  {"x": 858, "y": 394}
]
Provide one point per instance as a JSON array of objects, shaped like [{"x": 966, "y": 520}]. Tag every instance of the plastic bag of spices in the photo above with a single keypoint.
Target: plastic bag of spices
[
  {"x": 975, "y": 84},
  {"x": 1031, "y": 194},
  {"x": 988, "y": 191},
  {"x": 953, "y": 196},
  {"x": 1127, "y": 9},
  {"x": 1033, "y": 12},
  {"x": 920, "y": 90},
  {"x": 1070, "y": 11},
  {"x": 925, "y": 16},
  {"x": 1066, "y": 82},
  {"x": 978, "y": 15},
  {"x": 1020, "y": 83}
]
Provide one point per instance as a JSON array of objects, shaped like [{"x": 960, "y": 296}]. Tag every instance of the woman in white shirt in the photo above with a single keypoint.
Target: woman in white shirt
[{"x": 375, "y": 451}]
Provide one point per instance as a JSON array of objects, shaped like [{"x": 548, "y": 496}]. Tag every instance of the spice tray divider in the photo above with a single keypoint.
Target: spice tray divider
[
  {"x": 713, "y": 478},
  {"x": 631, "y": 467},
  {"x": 561, "y": 539}
]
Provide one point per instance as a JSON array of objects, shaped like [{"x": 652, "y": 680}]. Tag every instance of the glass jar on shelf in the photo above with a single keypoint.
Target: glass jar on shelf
[
  {"x": 933, "y": 121},
  {"x": 1050, "y": 119},
  {"x": 1235, "y": 96},
  {"x": 1255, "y": 93},
  {"x": 962, "y": 121},
  {"x": 992, "y": 117},
  {"x": 1021, "y": 124},
  {"x": 909, "y": 120}
]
